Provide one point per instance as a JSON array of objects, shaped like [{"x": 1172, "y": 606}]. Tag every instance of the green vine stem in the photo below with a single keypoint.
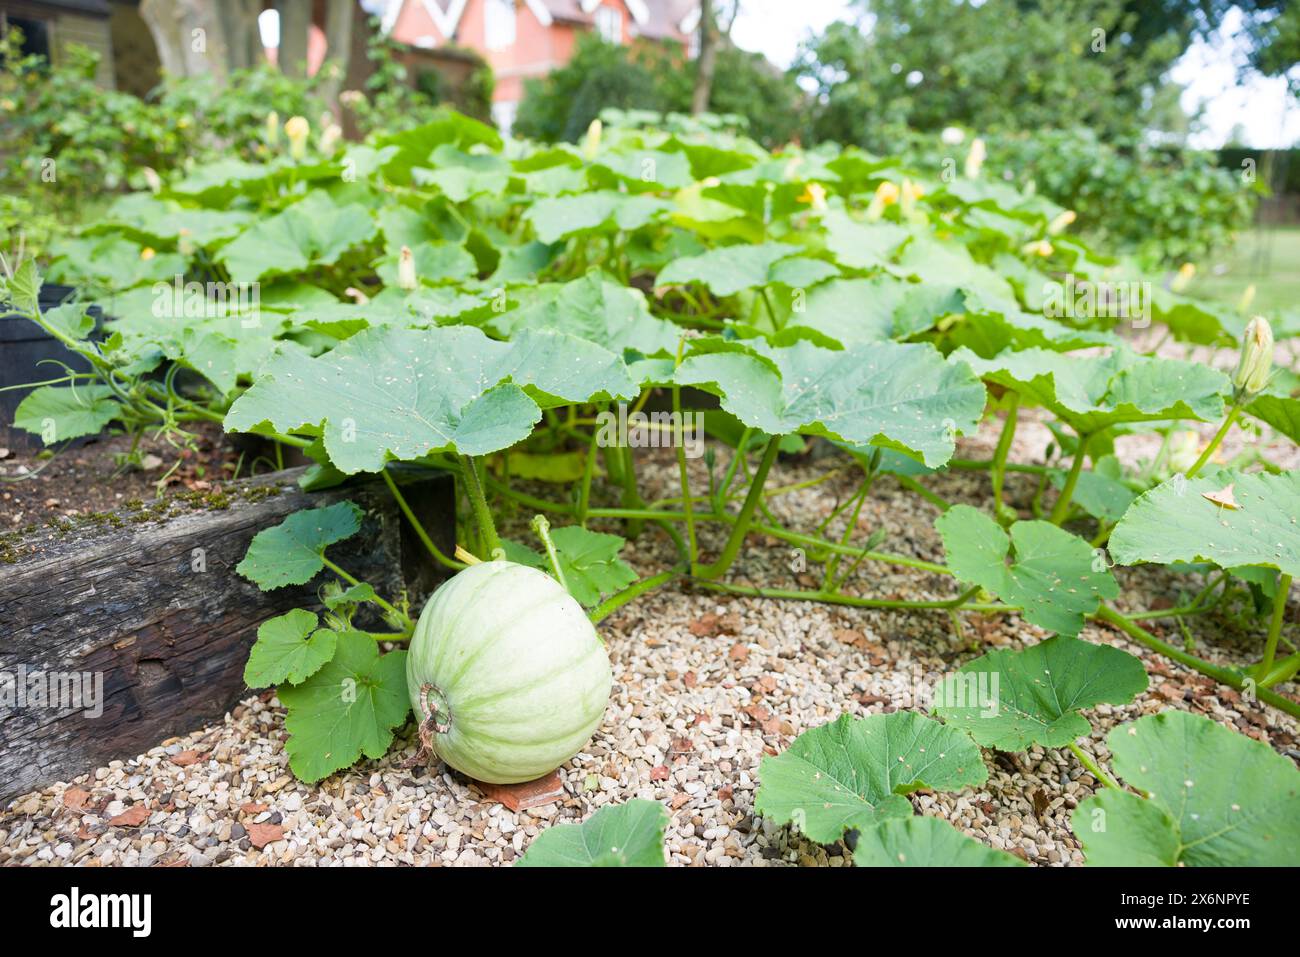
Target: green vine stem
[
  {"x": 478, "y": 501},
  {"x": 679, "y": 441},
  {"x": 741, "y": 528},
  {"x": 838, "y": 598},
  {"x": 1215, "y": 442},
  {"x": 1229, "y": 677},
  {"x": 998, "y": 472},
  {"x": 615, "y": 602},
  {"x": 1093, "y": 767},
  {"x": 420, "y": 533},
  {"x": 543, "y": 529},
  {"x": 1275, "y": 626},
  {"x": 1062, "y": 507},
  {"x": 395, "y": 613}
]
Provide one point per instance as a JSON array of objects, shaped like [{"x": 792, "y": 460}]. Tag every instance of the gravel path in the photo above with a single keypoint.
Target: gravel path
[{"x": 704, "y": 687}]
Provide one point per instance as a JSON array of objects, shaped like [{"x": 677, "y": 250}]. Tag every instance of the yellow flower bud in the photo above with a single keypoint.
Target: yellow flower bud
[
  {"x": 975, "y": 158},
  {"x": 1185, "y": 273},
  {"x": 592, "y": 145},
  {"x": 1040, "y": 247},
  {"x": 147, "y": 253},
  {"x": 329, "y": 139},
  {"x": 297, "y": 129},
  {"x": 815, "y": 195},
  {"x": 272, "y": 127},
  {"x": 1059, "y": 224},
  {"x": 406, "y": 277},
  {"x": 1256, "y": 365},
  {"x": 886, "y": 195}
]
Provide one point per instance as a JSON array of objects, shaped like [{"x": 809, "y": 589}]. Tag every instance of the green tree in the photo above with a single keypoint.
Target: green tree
[{"x": 996, "y": 66}]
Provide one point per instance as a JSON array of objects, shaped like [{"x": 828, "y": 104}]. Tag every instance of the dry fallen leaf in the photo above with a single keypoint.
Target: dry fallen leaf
[
  {"x": 131, "y": 817},
  {"x": 1223, "y": 497},
  {"x": 75, "y": 798},
  {"x": 261, "y": 835},
  {"x": 185, "y": 758}
]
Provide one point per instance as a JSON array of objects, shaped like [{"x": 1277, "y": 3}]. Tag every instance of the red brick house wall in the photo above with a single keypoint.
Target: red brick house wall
[{"x": 538, "y": 46}]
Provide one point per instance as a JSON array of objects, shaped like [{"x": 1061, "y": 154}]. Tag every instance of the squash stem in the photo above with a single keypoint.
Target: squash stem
[
  {"x": 1227, "y": 676},
  {"x": 420, "y": 533},
  {"x": 615, "y": 602},
  {"x": 1275, "y": 626},
  {"x": 1093, "y": 767},
  {"x": 1061, "y": 510},
  {"x": 741, "y": 528},
  {"x": 543, "y": 529},
  {"x": 1215, "y": 442},
  {"x": 478, "y": 501}
]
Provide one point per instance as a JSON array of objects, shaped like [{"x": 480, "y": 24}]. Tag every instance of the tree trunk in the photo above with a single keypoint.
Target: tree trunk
[
  {"x": 295, "y": 22},
  {"x": 339, "y": 16},
  {"x": 708, "y": 57},
  {"x": 197, "y": 37}
]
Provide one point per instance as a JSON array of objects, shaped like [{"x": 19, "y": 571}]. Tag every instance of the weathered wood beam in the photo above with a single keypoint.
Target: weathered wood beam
[{"x": 154, "y": 606}]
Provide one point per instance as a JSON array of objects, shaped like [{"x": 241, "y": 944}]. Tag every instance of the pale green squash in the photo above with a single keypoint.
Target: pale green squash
[{"x": 512, "y": 671}]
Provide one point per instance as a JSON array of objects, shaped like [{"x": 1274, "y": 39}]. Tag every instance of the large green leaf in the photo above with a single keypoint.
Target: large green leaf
[
  {"x": 853, "y": 772},
  {"x": 59, "y": 413},
  {"x": 290, "y": 553},
  {"x": 623, "y": 835},
  {"x": 1011, "y": 699},
  {"x": 858, "y": 245},
  {"x": 1090, "y": 393},
  {"x": 312, "y": 231},
  {"x": 1175, "y": 522},
  {"x": 403, "y": 393},
  {"x": 289, "y": 647},
  {"x": 592, "y": 308},
  {"x": 346, "y": 709},
  {"x": 728, "y": 270},
  {"x": 1055, "y": 577},
  {"x": 925, "y": 842},
  {"x": 904, "y": 396},
  {"x": 559, "y": 217},
  {"x": 1215, "y": 799}
]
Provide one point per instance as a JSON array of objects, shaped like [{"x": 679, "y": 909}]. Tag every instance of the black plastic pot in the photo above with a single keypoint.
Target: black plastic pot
[{"x": 23, "y": 346}]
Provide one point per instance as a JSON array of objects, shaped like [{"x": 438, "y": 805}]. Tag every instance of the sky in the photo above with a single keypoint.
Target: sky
[{"x": 1266, "y": 112}]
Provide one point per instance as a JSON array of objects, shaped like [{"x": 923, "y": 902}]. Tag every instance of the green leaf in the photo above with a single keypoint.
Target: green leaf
[
  {"x": 290, "y": 553},
  {"x": 60, "y": 413},
  {"x": 1175, "y": 522},
  {"x": 1282, "y": 412},
  {"x": 592, "y": 308},
  {"x": 346, "y": 709},
  {"x": 312, "y": 231},
  {"x": 71, "y": 319},
  {"x": 1011, "y": 699},
  {"x": 287, "y": 650},
  {"x": 729, "y": 269},
  {"x": 589, "y": 561},
  {"x": 434, "y": 263},
  {"x": 624, "y": 835},
  {"x": 853, "y": 772},
  {"x": 1054, "y": 577},
  {"x": 1119, "y": 829},
  {"x": 1090, "y": 393},
  {"x": 925, "y": 842},
  {"x": 902, "y": 396},
  {"x": 559, "y": 217},
  {"x": 1216, "y": 799},
  {"x": 858, "y": 245},
  {"x": 1100, "y": 491},
  {"x": 402, "y": 393}
]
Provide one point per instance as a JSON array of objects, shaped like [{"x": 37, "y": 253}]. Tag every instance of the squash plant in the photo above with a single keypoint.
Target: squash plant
[{"x": 442, "y": 298}]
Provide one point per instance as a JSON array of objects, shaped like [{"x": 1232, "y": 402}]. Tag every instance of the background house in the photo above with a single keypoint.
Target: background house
[{"x": 529, "y": 38}]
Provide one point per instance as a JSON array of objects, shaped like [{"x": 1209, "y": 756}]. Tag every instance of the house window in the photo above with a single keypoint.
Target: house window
[
  {"x": 609, "y": 24},
  {"x": 499, "y": 24}
]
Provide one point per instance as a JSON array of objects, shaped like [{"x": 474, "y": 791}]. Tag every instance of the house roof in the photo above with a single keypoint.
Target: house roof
[{"x": 656, "y": 19}]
